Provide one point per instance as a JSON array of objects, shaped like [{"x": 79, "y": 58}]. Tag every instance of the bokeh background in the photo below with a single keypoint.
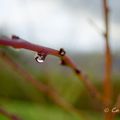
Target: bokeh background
[{"x": 76, "y": 26}]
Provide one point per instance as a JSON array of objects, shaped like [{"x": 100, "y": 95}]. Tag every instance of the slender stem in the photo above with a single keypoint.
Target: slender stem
[
  {"x": 108, "y": 62},
  {"x": 108, "y": 58},
  {"x": 20, "y": 43}
]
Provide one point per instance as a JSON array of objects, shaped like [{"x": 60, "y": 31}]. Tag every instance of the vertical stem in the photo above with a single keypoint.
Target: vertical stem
[{"x": 108, "y": 62}]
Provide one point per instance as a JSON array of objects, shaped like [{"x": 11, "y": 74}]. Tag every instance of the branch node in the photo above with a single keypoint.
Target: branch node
[
  {"x": 62, "y": 52},
  {"x": 14, "y": 37},
  {"x": 77, "y": 71},
  {"x": 105, "y": 34}
]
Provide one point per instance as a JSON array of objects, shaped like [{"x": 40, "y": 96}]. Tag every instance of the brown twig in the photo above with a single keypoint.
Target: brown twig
[
  {"x": 45, "y": 89},
  {"x": 9, "y": 115},
  {"x": 108, "y": 58},
  {"x": 108, "y": 62},
  {"x": 20, "y": 43}
]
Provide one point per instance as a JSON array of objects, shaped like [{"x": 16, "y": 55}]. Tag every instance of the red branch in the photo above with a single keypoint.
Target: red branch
[{"x": 19, "y": 43}]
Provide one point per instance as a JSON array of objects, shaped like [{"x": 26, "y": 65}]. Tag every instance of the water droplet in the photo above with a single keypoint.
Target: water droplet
[{"x": 40, "y": 57}]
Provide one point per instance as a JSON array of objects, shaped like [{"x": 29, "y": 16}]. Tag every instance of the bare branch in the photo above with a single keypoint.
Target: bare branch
[
  {"x": 20, "y": 43},
  {"x": 108, "y": 63},
  {"x": 108, "y": 58}
]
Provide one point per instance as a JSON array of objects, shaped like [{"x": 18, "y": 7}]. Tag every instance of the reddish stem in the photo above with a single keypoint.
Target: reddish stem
[{"x": 20, "y": 43}]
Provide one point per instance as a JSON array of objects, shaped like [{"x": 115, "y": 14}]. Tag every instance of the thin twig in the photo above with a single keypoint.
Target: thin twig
[
  {"x": 20, "y": 43},
  {"x": 9, "y": 115},
  {"x": 108, "y": 62},
  {"x": 108, "y": 58}
]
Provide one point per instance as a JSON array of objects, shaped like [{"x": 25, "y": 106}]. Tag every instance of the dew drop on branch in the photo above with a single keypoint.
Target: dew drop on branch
[{"x": 40, "y": 57}]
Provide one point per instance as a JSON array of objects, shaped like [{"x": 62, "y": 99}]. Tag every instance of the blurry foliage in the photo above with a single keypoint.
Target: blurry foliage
[{"x": 13, "y": 86}]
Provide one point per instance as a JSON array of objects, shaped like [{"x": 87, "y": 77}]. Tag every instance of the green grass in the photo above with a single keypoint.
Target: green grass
[
  {"x": 3, "y": 118},
  {"x": 29, "y": 111},
  {"x": 32, "y": 111}
]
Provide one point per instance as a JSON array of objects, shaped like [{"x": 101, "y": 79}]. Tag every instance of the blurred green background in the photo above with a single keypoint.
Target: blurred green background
[
  {"x": 20, "y": 97},
  {"x": 76, "y": 26}
]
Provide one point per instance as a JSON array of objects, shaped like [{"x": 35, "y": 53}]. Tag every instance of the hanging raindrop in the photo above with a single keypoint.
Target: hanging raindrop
[{"x": 40, "y": 57}]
